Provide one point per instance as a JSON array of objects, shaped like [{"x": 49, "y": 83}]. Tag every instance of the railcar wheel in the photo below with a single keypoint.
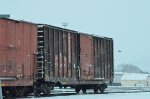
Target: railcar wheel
[
  {"x": 95, "y": 90},
  {"x": 37, "y": 91},
  {"x": 20, "y": 91},
  {"x": 9, "y": 92},
  {"x": 46, "y": 89},
  {"x": 65, "y": 87},
  {"x": 101, "y": 89},
  {"x": 84, "y": 90},
  {"x": 77, "y": 89}
]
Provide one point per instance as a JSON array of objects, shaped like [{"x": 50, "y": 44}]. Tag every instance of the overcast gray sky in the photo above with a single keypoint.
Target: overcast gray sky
[{"x": 126, "y": 21}]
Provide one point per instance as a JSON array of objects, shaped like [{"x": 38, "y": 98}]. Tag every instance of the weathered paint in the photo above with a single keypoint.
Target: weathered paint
[
  {"x": 103, "y": 58},
  {"x": 76, "y": 56},
  {"x": 86, "y": 57},
  {"x": 59, "y": 45},
  {"x": 17, "y": 47}
]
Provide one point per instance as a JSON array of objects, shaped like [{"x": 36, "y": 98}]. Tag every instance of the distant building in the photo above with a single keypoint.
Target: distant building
[
  {"x": 117, "y": 78},
  {"x": 134, "y": 79}
]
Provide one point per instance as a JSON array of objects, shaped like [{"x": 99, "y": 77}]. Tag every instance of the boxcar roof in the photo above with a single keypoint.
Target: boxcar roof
[
  {"x": 60, "y": 28},
  {"x": 57, "y": 28},
  {"x": 18, "y": 21},
  {"x": 75, "y": 31}
]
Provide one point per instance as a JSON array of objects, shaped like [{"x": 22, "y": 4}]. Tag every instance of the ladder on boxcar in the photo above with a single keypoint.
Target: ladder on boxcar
[{"x": 40, "y": 54}]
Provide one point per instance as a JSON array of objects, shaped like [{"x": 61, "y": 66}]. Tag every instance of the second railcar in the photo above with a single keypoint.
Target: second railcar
[{"x": 69, "y": 58}]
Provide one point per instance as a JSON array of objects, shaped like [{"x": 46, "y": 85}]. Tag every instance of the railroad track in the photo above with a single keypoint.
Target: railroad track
[
  {"x": 121, "y": 89},
  {"x": 109, "y": 90}
]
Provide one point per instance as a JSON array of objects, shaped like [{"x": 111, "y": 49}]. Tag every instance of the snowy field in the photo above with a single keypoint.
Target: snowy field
[
  {"x": 110, "y": 93},
  {"x": 142, "y": 95}
]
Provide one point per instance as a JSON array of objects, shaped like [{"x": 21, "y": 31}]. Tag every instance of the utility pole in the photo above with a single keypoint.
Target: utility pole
[{"x": 64, "y": 24}]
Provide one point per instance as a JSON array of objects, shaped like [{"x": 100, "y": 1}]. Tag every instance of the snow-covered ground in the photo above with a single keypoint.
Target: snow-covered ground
[
  {"x": 111, "y": 93},
  {"x": 142, "y": 95}
]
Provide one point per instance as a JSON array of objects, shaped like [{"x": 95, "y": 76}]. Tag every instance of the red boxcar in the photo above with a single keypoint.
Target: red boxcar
[
  {"x": 18, "y": 43},
  {"x": 86, "y": 57},
  {"x": 74, "y": 59},
  {"x": 37, "y": 57}
]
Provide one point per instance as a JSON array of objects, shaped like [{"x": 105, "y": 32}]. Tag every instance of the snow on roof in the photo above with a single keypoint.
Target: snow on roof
[{"x": 134, "y": 76}]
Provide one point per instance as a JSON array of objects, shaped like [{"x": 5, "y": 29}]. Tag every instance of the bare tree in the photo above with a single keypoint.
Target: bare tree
[{"x": 129, "y": 68}]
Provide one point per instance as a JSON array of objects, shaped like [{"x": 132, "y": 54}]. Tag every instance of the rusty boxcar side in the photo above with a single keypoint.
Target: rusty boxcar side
[
  {"x": 96, "y": 59},
  {"x": 17, "y": 46},
  {"x": 74, "y": 59},
  {"x": 103, "y": 58},
  {"x": 60, "y": 54},
  {"x": 86, "y": 57}
]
